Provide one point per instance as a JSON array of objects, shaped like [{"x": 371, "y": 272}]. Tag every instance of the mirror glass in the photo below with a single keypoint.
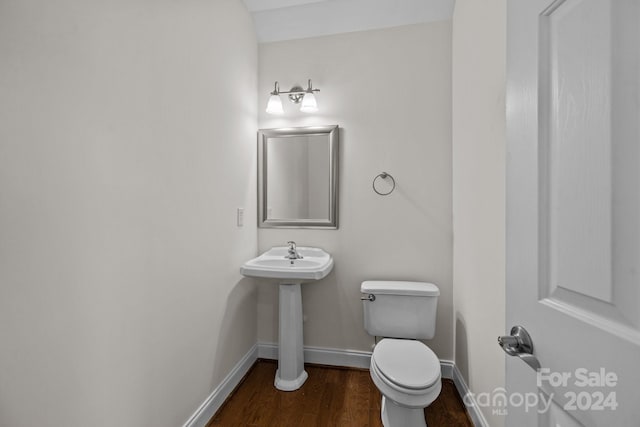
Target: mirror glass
[{"x": 298, "y": 177}]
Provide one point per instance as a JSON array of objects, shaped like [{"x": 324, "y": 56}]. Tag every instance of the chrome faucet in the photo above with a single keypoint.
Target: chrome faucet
[{"x": 293, "y": 252}]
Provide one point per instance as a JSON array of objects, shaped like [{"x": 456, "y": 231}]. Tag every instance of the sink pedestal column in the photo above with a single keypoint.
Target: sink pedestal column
[{"x": 290, "y": 374}]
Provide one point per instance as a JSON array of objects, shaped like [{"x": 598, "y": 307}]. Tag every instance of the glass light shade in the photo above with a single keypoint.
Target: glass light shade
[
  {"x": 274, "y": 106},
  {"x": 309, "y": 104}
]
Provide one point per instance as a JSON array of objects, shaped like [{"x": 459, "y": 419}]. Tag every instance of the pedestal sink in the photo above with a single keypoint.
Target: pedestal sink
[{"x": 276, "y": 264}]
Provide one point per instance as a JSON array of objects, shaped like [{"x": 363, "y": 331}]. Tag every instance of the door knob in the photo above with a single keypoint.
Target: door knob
[{"x": 519, "y": 344}]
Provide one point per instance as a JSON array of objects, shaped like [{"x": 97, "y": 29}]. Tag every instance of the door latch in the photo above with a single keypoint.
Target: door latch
[{"x": 519, "y": 344}]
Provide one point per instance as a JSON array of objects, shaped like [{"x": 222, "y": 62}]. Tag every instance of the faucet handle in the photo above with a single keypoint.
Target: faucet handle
[{"x": 293, "y": 251}]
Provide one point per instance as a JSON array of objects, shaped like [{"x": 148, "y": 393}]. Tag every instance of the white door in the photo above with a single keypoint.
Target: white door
[{"x": 573, "y": 210}]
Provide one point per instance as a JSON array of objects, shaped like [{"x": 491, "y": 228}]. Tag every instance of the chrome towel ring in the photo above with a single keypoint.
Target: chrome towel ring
[{"x": 384, "y": 176}]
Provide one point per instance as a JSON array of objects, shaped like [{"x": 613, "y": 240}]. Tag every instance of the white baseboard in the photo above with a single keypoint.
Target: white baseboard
[
  {"x": 321, "y": 356},
  {"x": 468, "y": 399},
  {"x": 210, "y": 406},
  {"x": 446, "y": 369}
]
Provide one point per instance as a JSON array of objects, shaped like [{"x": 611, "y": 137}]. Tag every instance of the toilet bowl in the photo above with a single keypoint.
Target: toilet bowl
[{"x": 407, "y": 373}]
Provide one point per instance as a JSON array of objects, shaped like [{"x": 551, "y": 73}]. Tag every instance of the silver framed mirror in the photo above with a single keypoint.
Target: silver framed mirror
[{"x": 298, "y": 177}]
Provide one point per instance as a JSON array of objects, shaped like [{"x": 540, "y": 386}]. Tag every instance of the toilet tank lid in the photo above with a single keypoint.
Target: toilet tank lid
[{"x": 389, "y": 287}]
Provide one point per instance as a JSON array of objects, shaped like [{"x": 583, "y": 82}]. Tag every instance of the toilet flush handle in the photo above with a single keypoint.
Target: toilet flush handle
[{"x": 370, "y": 297}]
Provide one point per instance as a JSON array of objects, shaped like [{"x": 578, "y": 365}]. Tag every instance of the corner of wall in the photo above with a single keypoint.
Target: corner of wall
[{"x": 479, "y": 152}]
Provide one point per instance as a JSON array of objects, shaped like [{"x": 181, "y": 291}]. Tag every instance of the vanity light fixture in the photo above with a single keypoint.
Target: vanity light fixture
[{"x": 297, "y": 95}]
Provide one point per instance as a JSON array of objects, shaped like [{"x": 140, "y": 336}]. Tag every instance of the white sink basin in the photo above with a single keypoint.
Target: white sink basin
[{"x": 314, "y": 265}]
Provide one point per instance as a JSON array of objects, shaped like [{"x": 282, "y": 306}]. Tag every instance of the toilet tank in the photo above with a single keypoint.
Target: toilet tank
[{"x": 400, "y": 309}]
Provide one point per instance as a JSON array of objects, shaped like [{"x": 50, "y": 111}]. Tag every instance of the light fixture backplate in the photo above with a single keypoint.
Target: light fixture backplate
[{"x": 298, "y": 94}]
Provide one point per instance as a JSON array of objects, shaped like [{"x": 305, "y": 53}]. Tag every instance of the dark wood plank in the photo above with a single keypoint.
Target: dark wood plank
[
  {"x": 448, "y": 409},
  {"x": 360, "y": 394},
  {"x": 332, "y": 396}
]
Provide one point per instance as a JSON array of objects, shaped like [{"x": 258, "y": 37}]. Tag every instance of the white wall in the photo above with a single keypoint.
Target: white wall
[
  {"x": 390, "y": 92},
  {"x": 479, "y": 144},
  {"x": 127, "y": 140}
]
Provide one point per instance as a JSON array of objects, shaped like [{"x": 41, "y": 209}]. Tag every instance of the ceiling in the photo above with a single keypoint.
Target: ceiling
[{"x": 277, "y": 20}]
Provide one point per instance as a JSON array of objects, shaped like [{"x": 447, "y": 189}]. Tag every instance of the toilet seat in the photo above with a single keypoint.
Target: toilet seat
[
  {"x": 398, "y": 357},
  {"x": 407, "y": 365}
]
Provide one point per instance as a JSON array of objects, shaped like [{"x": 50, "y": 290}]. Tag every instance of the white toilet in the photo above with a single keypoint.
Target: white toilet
[{"x": 405, "y": 370}]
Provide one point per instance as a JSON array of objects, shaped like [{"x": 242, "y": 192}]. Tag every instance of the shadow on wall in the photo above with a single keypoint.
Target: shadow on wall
[
  {"x": 238, "y": 328},
  {"x": 327, "y": 296},
  {"x": 423, "y": 208},
  {"x": 462, "y": 348}
]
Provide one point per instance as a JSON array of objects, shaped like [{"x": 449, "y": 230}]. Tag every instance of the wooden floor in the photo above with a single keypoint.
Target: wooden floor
[{"x": 330, "y": 397}]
